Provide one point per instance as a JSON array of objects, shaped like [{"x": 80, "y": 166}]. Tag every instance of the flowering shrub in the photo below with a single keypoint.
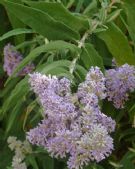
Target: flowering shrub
[{"x": 67, "y": 84}]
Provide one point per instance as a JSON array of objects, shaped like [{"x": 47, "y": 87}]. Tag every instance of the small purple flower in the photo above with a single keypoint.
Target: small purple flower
[
  {"x": 12, "y": 59},
  {"x": 94, "y": 83},
  {"x": 73, "y": 124},
  {"x": 119, "y": 83}
]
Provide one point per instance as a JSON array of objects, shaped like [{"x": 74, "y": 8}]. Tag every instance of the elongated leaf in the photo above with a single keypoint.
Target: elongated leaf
[
  {"x": 33, "y": 162},
  {"x": 118, "y": 45},
  {"x": 41, "y": 22},
  {"x": 114, "y": 15},
  {"x": 91, "y": 8},
  {"x": 20, "y": 90},
  {"x": 90, "y": 57},
  {"x": 29, "y": 109},
  {"x": 16, "y": 23},
  {"x": 12, "y": 116},
  {"x": 61, "y": 63},
  {"x": 46, "y": 162},
  {"x": 79, "y": 5},
  {"x": 102, "y": 50},
  {"x": 127, "y": 161},
  {"x": 52, "y": 46},
  {"x": 129, "y": 132},
  {"x": 59, "y": 68},
  {"x": 130, "y": 12},
  {"x": 93, "y": 166},
  {"x": 60, "y": 13},
  {"x": 14, "y": 32}
]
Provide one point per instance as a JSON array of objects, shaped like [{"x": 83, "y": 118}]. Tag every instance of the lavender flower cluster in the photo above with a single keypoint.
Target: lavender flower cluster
[
  {"x": 73, "y": 124},
  {"x": 12, "y": 58},
  {"x": 119, "y": 83},
  {"x": 21, "y": 149}
]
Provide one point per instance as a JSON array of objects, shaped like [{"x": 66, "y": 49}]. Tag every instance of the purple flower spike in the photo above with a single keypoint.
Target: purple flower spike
[
  {"x": 73, "y": 124},
  {"x": 119, "y": 83},
  {"x": 12, "y": 59}
]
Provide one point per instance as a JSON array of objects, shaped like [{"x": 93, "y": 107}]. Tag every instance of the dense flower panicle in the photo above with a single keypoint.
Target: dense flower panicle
[
  {"x": 73, "y": 124},
  {"x": 119, "y": 83},
  {"x": 94, "y": 83},
  {"x": 40, "y": 82},
  {"x": 12, "y": 58},
  {"x": 21, "y": 149},
  {"x": 93, "y": 145},
  {"x": 54, "y": 95},
  {"x": 18, "y": 164},
  {"x": 106, "y": 121}
]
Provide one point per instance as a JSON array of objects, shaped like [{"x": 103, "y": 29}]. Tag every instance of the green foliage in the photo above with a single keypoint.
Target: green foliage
[
  {"x": 15, "y": 32},
  {"x": 90, "y": 57},
  {"x": 41, "y": 22},
  {"x": 118, "y": 45},
  {"x": 65, "y": 38},
  {"x": 61, "y": 14}
]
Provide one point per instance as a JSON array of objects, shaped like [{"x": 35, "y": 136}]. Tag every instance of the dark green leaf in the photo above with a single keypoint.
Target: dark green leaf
[
  {"x": 90, "y": 57},
  {"x": 12, "y": 116},
  {"x": 127, "y": 162},
  {"x": 14, "y": 32},
  {"x": 16, "y": 95},
  {"x": 41, "y": 22},
  {"x": 16, "y": 23},
  {"x": 60, "y": 13},
  {"x": 129, "y": 7}
]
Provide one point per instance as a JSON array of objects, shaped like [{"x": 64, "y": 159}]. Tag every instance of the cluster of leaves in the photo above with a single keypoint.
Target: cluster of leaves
[{"x": 65, "y": 38}]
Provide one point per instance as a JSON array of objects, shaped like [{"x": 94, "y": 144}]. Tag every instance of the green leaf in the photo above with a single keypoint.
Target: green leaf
[
  {"x": 117, "y": 44},
  {"x": 127, "y": 133},
  {"x": 127, "y": 162},
  {"x": 9, "y": 87},
  {"x": 33, "y": 162},
  {"x": 46, "y": 162},
  {"x": 61, "y": 63},
  {"x": 14, "y": 32},
  {"x": 59, "y": 68},
  {"x": 93, "y": 166},
  {"x": 114, "y": 15},
  {"x": 20, "y": 90},
  {"x": 12, "y": 116},
  {"x": 52, "y": 46},
  {"x": 130, "y": 12},
  {"x": 16, "y": 23},
  {"x": 41, "y": 22},
  {"x": 60, "y": 13},
  {"x": 116, "y": 165},
  {"x": 29, "y": 109},
  {"x": 91, "y": 8},
  {"x": 81, "y": 70},
  {"x": 102, "y": 50},
  {"x": 89, "y": 57},
  {"x": 79, "y": 6},
  {"x": 5, "y": 155}
]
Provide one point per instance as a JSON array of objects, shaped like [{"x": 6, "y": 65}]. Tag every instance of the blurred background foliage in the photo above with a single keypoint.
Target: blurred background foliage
[{"x": 47, "y": 32}]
